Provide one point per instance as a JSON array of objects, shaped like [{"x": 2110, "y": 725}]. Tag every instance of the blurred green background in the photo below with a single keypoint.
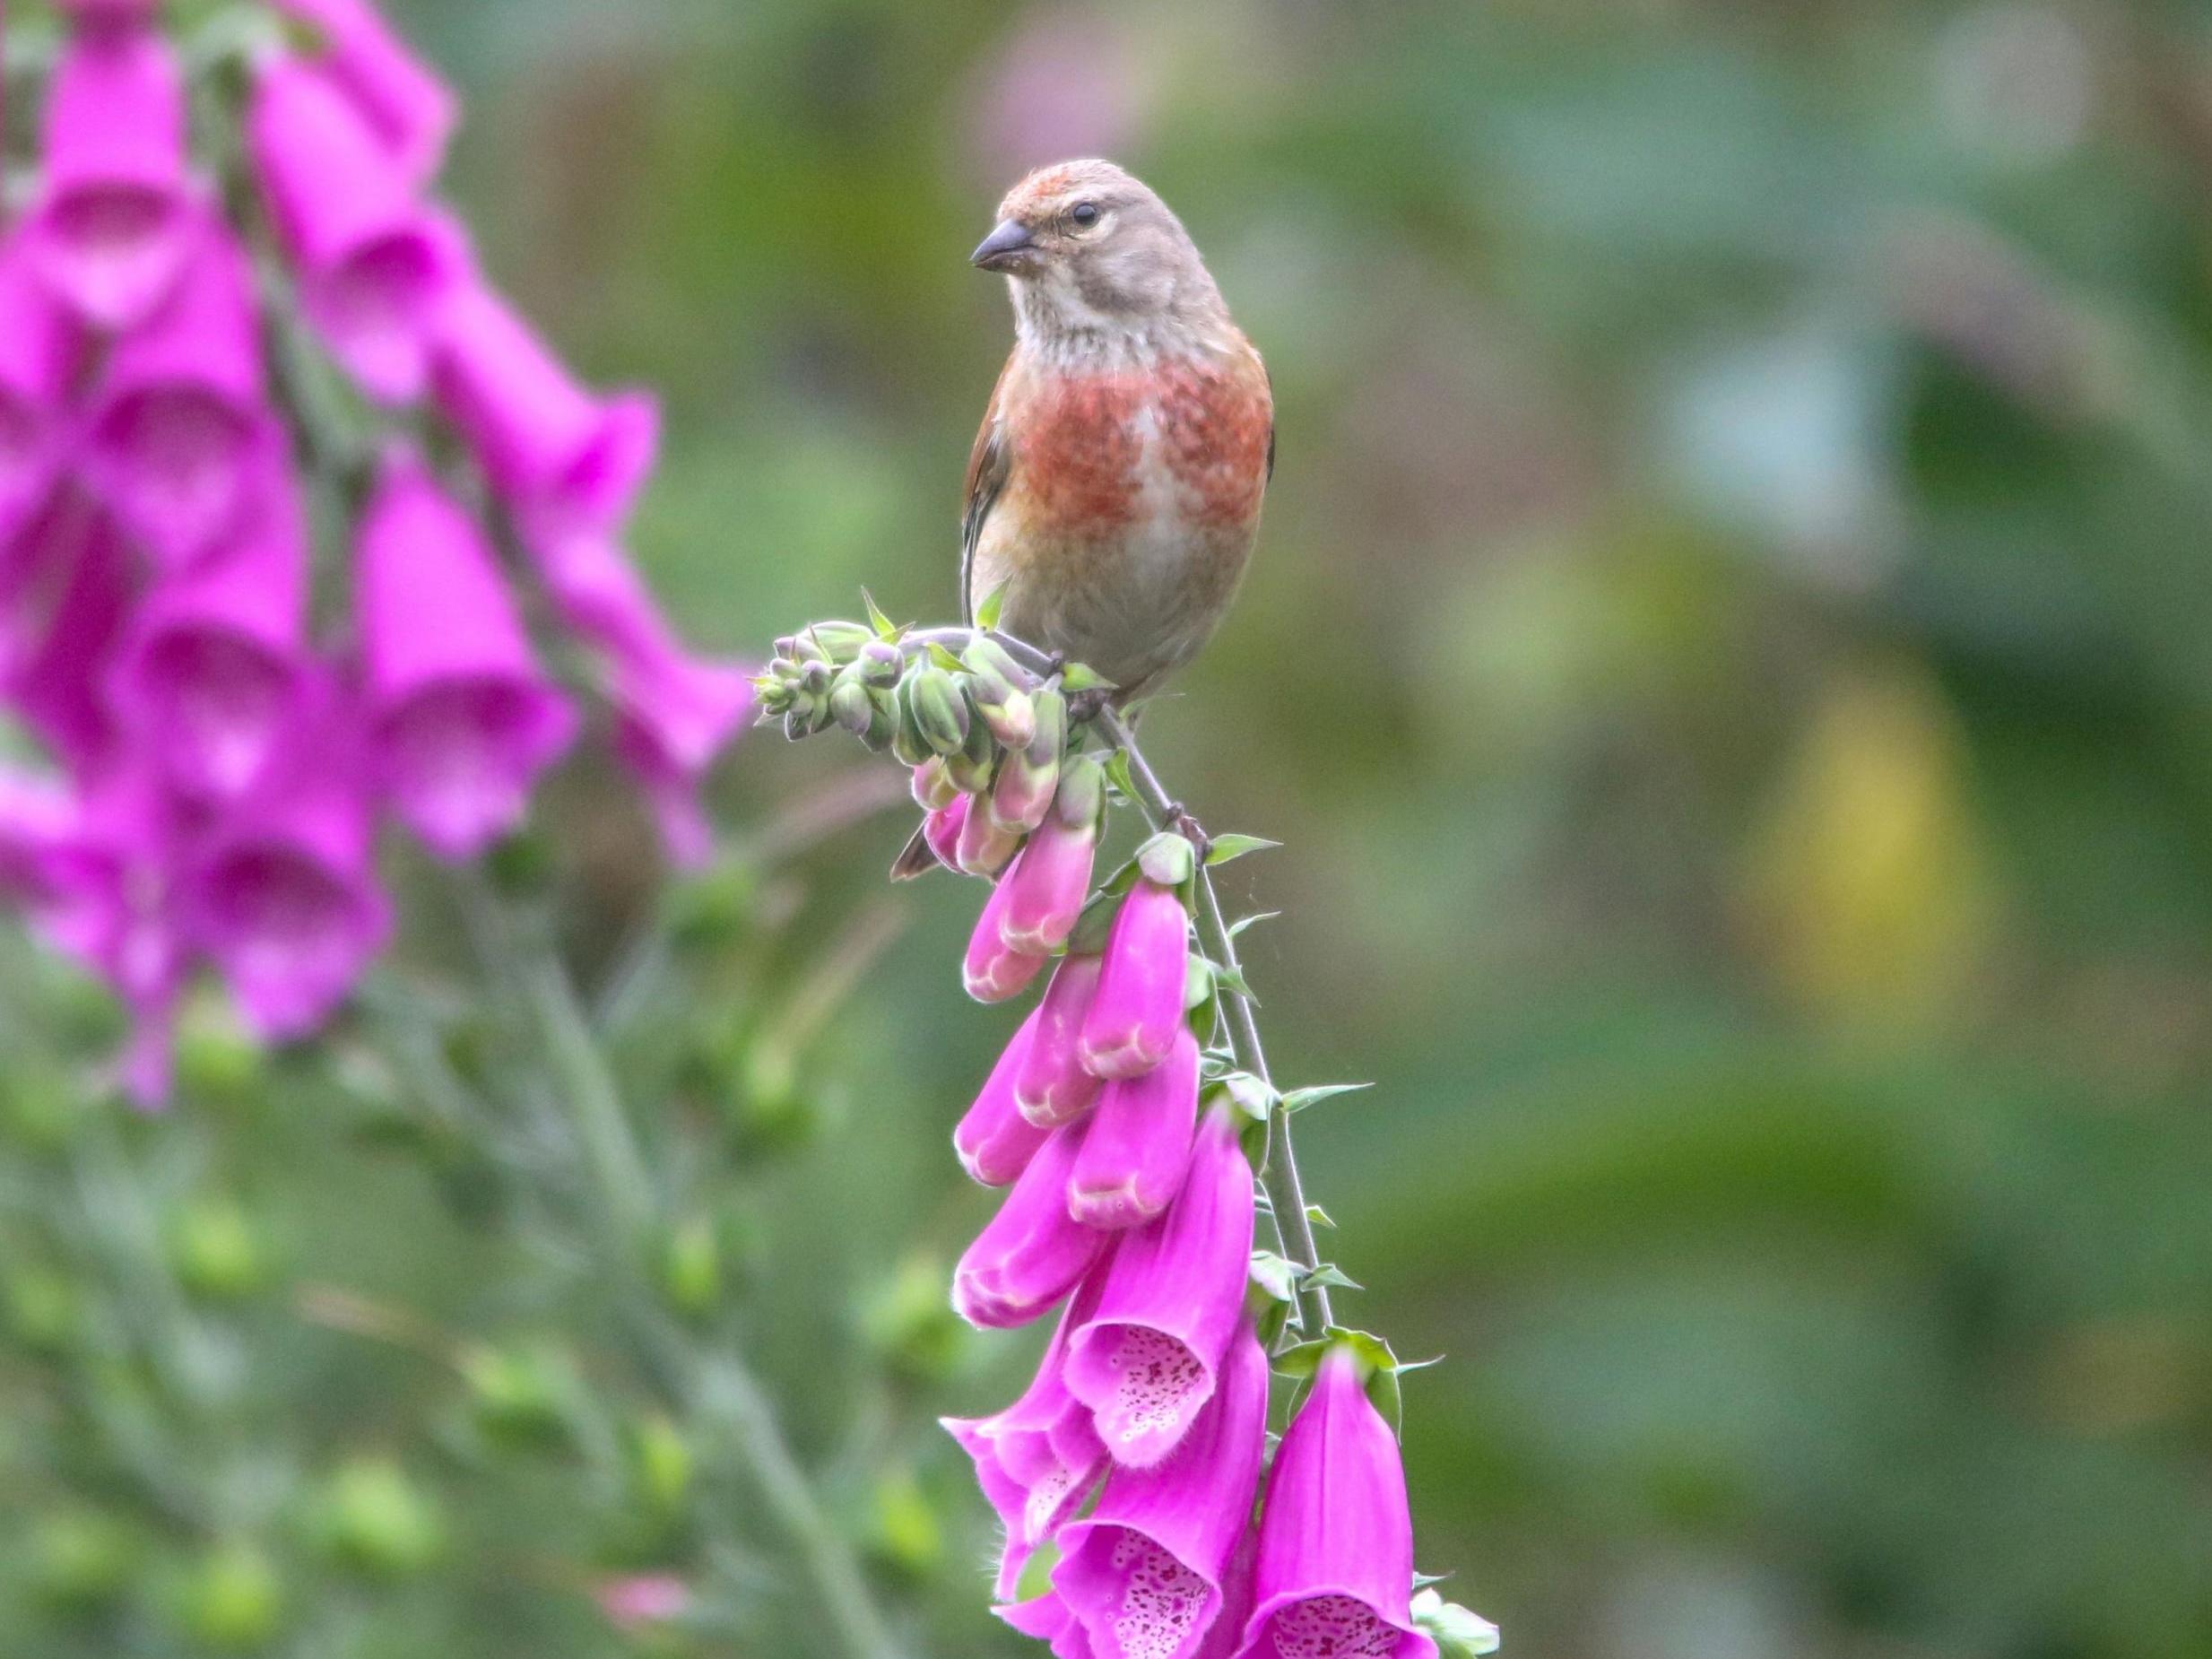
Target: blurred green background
[{"x": 1730, "y": 658}]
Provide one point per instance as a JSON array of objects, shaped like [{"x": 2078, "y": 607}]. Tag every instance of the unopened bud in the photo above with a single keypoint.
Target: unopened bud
[
  {"x": 798, "y": 723},
  {"x": 816, "y": 679},
  {"x": 931, "y": 788},
  {"x": 849, "y": 705},
  {"x": 882, "y": 663},
  {"x": 938, "y": 708},
  {"x": 1023, "y": 794},
  {"x": 842, "y": 641},
  {"x": 907, "y": 740},
  {"x": 1081, "y": 801},
  {"x": 984, "y": 848},
  {"x": 1012, "y": 720},
  {"x": 1168, "y": 859}
]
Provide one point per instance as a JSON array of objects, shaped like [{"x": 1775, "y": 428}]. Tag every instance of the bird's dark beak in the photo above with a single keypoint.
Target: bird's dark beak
[{"x": 1006, "y": 249}]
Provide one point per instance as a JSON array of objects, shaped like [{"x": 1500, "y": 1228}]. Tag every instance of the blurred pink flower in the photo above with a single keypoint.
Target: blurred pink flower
[
  {"x": 413, "y": 112},
  {"x": 39, "y": 348},
  {"x": 211, "y": 673},
  {"x": 114, "y": 210},
  {"x": 640, "y": 1599},
  {"x": 376, "y": 265},
  {"x": 1067, "y": 81},
  {"x": 461, "y": 718},
  {"x": 180, "y": 425},
  {"x": 1032, "y": 1252}
]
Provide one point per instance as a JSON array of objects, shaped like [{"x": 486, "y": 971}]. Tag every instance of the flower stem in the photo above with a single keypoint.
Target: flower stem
[
  {"x": 1285, "y": 1191},
  {"x": 717, "y": 1387}
]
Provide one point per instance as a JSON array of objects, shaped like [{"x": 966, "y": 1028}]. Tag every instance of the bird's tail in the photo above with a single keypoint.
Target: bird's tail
[{"x": 918, "y": 858}]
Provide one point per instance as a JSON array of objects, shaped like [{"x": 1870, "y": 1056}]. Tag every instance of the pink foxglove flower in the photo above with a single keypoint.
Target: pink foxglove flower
[
  {"x": 942, "y": 829},
  {"x": 180, "y": 429},
  {"x": 1046, "y": 887},
  {"x": 1133, "y": 1018},
  {"x": 39, "y": 346},
  {"x": 284, "y": 898},
  {"x": 1145, "y": 1570},
  {"x": 1147, "y": 1361},
  {"x": 37, "y": 818},
  {"x": 57, "y": 676},
  {"x": 1227, "y": 1633},
  {"x": 1138, "y": 1147},
  {"x": 413, "y": 112},
  {"x": 674, "y": 712},
  {"x": 984, "y": 848},
  {"x": 1050, "y": 1620},
  {"x": 213, "y": 672},
  {"x": 115, "y": 212},
  {"x": 1039, "y": 1460},
  {"x": 461, "y": 719},
  {"x": 1051, "y": 1087},
  {"x": 375, "y": 264},
  {"x": 1335, "y": 1567},
  {"x": 994, "y": 970},
  {"x": 567, "y": 463},
  {"x": 993, "y": 1139},
  {"x": 1032, "y": 1252}
]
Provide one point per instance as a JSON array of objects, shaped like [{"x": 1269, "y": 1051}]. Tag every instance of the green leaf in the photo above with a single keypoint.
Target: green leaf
[
  {"x": 945, "y": 659},
  {"x": 1319, "y": 1217},
  {"x": 1252, "y": 1095},
  {"x": 1303, "y": 1359},
  {"x": 1298, "y": 1099},
  {"x": 1275, "y": 1275},
  {"x": 1081, "y": 677},
  {"x": 1227, "y": 847},
  {"x": 1117, "y": 773},
  {"x": 1457, "y": 1633},
  {"x": 1334, "y": 1277},
  {"x": 1243, "y": 922},
  {"x": 885, "y": 628},
  {"x": 987, "y": 614}
]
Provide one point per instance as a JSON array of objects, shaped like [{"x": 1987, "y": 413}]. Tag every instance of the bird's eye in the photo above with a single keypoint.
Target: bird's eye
[{"x": 1084, "y": 214}]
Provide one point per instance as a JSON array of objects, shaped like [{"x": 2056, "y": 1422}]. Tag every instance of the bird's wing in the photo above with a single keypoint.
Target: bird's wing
[{"x": 987, "y": 466}]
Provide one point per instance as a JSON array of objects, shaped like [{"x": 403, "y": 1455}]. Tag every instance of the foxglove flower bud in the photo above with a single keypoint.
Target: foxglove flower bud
[
  {"x": 285, "y": 895},
  {"x": 1147, "y": 1360},
  {"x": 940, "y": 711},
  {"x": 1138, "y": 1009},
  {"x": 943, "y": 829},
  {"x": 413, "y": 112},
  {"x": 1046, "y": 886},
  {"x": 1032, "y": 1252},
  {"x": 1021, "y": 797},
  {"x": 374, "y": 265},
  {"x": 1052, "y": 1088},
  {"x": 115, "y": 212},
  {"x": 994, "y": 970},
  {"x": 995, "y": 1141},
  {"x": 985, "y": 849},
  {"x": 1146, "y": 1570},
  {"x": 569, "y": 464},
  {"x": 1335, "y": 1567},
  {"x": 1138, "y": 1147},
  {"x": 932, "y": 790},
  {"x": 1037, "y": 1460},
  {"x": 213, "y": 672},
  {"x": 39, "y": 347},
  {"x": 180, "y": 429},
  {"x": 461, "y": 719}
]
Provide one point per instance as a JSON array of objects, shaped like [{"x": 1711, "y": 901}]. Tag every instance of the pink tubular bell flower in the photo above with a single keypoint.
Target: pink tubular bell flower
[
  {"x": 1051, "y": 1620},
  {"x": 39, "y": 346},
  {"x": 1046, "y": 887},
  {"x": 1145, "y": 1571},
  {"x": 57, "y": 675},
  {"x": 994, "y": 970},
  {"x": 1147, "y": 1360},
  {"x": 1032, "y": 1252},
  {"x": 375, "y": 264},
  {"x": 942, "y": 829},
  {"x": 1050, "y": 1087},
  {"x": 461, "y": 719},
  {"x": 1037, "y": 1460},
  {"x": 1138, "y": 1147},
  {"x": 114, "y": 213},
  {"x": 412, "y": 111},
  {"x": 1335, "y": 1569},
  {"x": 566, "y": 462},
  {"x": 180, "y": 426},
  {"x": 674, "y": 712},
  {"x": 1133, "y": 1018},
  {"x": 284, "y": 897},
  {"x": 995, "y": 1141},
  {"x": 212, "y": 672}
]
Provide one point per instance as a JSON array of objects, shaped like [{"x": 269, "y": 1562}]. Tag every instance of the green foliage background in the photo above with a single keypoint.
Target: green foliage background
[{"x": 1730, "y": 658}]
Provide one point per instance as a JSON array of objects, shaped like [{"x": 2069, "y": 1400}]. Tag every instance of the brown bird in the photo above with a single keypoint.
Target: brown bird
[{"x": 1113, "y": 492}]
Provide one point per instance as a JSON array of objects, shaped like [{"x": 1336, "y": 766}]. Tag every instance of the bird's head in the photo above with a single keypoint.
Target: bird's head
[{"x": 1089, "y": 249}]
